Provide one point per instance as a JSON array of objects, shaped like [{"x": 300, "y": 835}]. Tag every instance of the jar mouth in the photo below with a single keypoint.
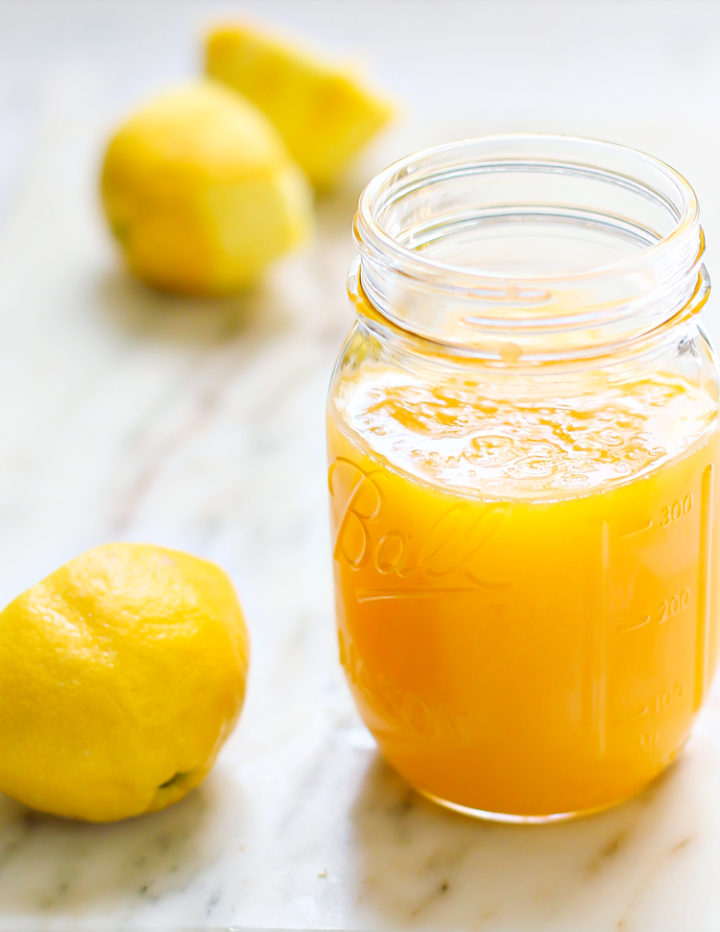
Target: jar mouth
[{"x": 529, "y": 234}]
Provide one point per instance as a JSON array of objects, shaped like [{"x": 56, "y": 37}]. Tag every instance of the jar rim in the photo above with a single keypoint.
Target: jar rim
[
  {"x": 370, "y": 232},
  {"x": 503, "y": 202}
]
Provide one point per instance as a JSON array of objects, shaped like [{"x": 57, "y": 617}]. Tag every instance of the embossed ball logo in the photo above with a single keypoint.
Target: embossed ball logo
[{"x": 445, "y": 554}]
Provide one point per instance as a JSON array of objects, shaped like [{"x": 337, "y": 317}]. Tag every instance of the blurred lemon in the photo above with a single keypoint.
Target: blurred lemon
[
  {"x": 325, "y": 113},
  {"x": 200, "y": 191},
  {"x": 121, "y": 675}
]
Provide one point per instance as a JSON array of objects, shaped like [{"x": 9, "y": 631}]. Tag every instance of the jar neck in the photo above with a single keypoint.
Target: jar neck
[{"x": 530, "y": 249}]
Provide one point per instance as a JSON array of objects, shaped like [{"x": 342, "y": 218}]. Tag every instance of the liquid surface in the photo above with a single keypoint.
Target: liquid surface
[
  {"x": 527, "y": 595},
  {"x": 479, "y": 439}
]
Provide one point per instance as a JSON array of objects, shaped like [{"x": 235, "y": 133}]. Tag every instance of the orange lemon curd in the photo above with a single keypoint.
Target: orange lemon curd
[{"x": 527, "y": 588}]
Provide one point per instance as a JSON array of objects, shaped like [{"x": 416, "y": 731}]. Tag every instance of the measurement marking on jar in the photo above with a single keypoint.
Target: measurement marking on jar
[
  {"x": 634, "y": 625},
  {"x": 667, "y": 697},
  {"x": 633, "y": 532},
  {"x": 676, "y": 510},
  {"x": 669, "y": 608},
  {"x": 621, "y": 720},
  {"x": 378, "y": 595},
  {"x": 649, "y": 740},
  {"x": 702, "y": 626},
  {"x": 661, "y": 702}
]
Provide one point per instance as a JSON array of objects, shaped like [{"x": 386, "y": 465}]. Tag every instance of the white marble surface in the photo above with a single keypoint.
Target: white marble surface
[{"x": 200, "y": 426}]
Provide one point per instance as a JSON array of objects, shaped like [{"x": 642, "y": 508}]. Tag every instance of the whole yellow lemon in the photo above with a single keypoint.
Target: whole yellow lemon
[
  {"x": 121, "y": 675},
  {"x": 200, "y": 192}
]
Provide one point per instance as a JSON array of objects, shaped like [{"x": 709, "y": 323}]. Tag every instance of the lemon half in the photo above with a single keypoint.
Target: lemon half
[{"x": 324, "y": 112}]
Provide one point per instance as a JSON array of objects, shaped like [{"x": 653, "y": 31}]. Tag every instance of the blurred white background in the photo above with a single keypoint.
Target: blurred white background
[{"x": 645, "y": 71}]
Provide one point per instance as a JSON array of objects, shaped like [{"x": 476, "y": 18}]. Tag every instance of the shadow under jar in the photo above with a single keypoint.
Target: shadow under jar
[{"x": 523, "y": 471}]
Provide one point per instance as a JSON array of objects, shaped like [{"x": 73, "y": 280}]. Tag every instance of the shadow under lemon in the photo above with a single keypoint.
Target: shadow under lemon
[
  {"x": 55, "y": 865},
  {"x": 142, "y": 312}
]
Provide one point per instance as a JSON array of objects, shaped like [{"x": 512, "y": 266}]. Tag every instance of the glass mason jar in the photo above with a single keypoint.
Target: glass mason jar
[{"x": 523, "y": 449}]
